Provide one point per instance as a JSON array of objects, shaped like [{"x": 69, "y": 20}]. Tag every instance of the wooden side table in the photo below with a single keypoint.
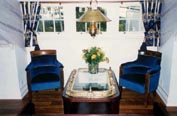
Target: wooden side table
[{"x": 82, "y": 96}]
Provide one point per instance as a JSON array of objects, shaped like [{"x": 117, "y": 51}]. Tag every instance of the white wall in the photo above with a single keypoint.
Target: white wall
[
  {"x": 21, "y": 63},
  {"x": 168, "y": 47},
  {"x": 9, "y": 85},
  {"x": 12, "y": 73},
  {"x": 70, "y": 51},
  {"x": 13, "y": 54},
  {"x": 10, "y": 22}
]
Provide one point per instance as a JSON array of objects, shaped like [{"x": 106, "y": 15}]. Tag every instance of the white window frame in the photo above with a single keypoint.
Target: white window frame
[
  {"x": 112, "y": 27},
  {"x": 140, "y": 24},
  {"x": 43, "y": 19}
]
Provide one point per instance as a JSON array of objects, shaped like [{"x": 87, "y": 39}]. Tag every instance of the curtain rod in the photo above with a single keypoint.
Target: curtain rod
[{"x": 82, "y": 1}]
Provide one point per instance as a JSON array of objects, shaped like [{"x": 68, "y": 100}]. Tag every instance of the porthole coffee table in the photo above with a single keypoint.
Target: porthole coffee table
[{"x": 87, "y": 93}]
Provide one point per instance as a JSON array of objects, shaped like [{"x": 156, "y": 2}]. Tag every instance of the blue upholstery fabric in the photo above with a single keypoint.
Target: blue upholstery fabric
[
  {"x": 44, "y": 71},
  {"x": 133, "y": 82},
  {"x": 45, "y": 60},
  {"x": 45, "y": 86},
  {"x": 134, "y": 73},
  {"x": 36, "y": 47},
  {"x": 143, "y": 47}
]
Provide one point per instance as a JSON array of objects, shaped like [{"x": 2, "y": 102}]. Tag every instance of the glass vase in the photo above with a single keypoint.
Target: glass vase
[{"x": 93, "y": 68}]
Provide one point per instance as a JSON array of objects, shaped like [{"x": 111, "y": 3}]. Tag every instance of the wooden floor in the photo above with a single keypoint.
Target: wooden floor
[
  {"x": 50, "y": 102},
  {"x": 131, "y": 103}
]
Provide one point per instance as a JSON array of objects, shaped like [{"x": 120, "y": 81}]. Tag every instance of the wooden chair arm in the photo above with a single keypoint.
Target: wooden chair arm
[
  {"x": 120, "y": 70},
  {"x": 62, "y": 78}
]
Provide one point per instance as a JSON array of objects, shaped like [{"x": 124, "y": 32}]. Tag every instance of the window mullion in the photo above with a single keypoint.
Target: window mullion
[{"x": 43, "y": 25}]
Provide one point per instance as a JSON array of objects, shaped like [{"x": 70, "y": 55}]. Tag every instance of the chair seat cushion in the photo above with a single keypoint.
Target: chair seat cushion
[
  {"x": 135, "y": 82},
  {"x": 46, "y": 77},
  {"x": 45, "y": 86},
  {"x": 135, "y": 78}
]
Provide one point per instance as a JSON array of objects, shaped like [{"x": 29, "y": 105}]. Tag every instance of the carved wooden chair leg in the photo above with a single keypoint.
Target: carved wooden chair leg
[
  {"x": 120, "y": 89},
  {"x": 146, "y": 99},
  {"x": 147, "y": 81},
  {"x": 30, "y": 96},
  {"x": 154, "y": 95}
]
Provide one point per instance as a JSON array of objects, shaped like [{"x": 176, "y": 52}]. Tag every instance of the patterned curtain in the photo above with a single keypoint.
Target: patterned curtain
[
  {"x": 151, "y": 10},
  {"x": 31, "y": 18}
]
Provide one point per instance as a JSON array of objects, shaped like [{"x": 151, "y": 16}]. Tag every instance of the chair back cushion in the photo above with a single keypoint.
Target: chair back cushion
[
  {"x": 43, "y": 62},
  {"x": 149, "y": 58}
]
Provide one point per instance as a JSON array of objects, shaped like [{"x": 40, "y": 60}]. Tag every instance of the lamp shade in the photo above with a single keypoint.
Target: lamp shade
[{"x": 93, "y": 15}]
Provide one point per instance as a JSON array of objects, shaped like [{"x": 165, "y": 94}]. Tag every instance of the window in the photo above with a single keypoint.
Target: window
[
  {"x": 83, "y": 27},
  {"x": 130, "y": 18},
  {"x": 52, "y": 19}
]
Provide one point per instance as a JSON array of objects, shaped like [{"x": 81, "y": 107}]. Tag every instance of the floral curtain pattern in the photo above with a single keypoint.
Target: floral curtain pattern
[
  {"x": 151, "y": 10},
  {"x": 31, "y": 18}
]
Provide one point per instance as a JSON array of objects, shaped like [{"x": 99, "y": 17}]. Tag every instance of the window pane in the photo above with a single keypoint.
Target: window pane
[
  {"x": 53, "y": 18},
  {"x": 123, "y": 12},
  {"x": 40, "y": 26},
  {"x": 134, "y": 25},
  {"x": 130, "y": 17},
  {"x": 122, "y": 25},
  {"x": 102, "y": 10},
  {"x": 58, "y": 12},
  {"x": 80, "y": 27},
  {"x": 134, "y": 12},
  {"x": 103, "y": 26},
  {"x": 59, "y": 26},
  {"x": 46, "y": 12},
  {"x": 79, "y": 12},
  {"x": 49, "y": 26}
]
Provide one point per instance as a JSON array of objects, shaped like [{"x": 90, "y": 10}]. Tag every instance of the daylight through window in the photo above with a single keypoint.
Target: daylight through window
[
  {"x": 130, "y": 18},
  {"x": 52, "y": 19}
]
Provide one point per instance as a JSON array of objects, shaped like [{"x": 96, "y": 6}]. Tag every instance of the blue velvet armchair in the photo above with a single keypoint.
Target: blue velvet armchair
[
  {"x": 44, "y": 71},
  {"x": 141, "y": 75}
]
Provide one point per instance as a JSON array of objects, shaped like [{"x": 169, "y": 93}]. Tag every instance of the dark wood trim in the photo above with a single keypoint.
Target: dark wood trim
[
  {"x": 62, "y": 78},
  {"x": 152, "y": 53},
  {"x": 42, "y": 52},
  {"x": 29, "y": 86},
  {"x": 147, "y": 81},
  {"x": 171, "y": 108},
  {"x": 93, "y": 115},
  {"x": 12, "y": 107}
]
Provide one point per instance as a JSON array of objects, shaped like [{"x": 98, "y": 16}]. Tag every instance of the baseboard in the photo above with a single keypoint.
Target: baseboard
[
  {"x": 24, "y": 91},
  {"x": 162, "y": 94}
]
